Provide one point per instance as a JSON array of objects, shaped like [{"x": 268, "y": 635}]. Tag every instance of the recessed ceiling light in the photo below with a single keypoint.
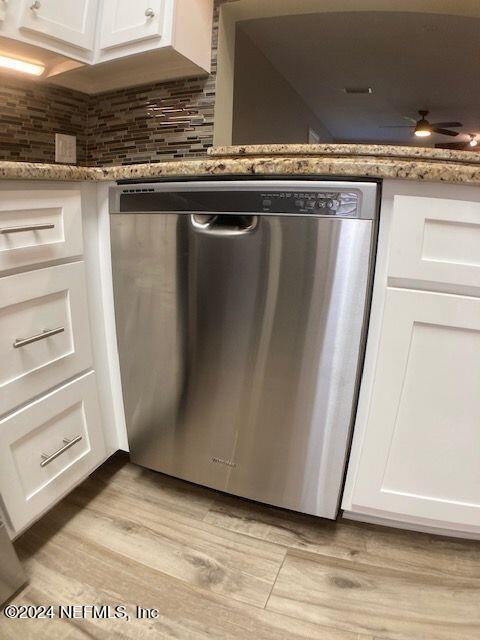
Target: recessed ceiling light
[
  {"x": 358, "y": 90},
  {"x": 14, "y": 64}
]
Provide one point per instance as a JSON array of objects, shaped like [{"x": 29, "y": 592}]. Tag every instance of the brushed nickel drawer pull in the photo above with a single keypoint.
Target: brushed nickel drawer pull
[
  {"x": 29, "y": 227},
  {"x": 35, "y": 6},
  {"x": 68, "y": 442},
  {"x": 21, "y": 342}
]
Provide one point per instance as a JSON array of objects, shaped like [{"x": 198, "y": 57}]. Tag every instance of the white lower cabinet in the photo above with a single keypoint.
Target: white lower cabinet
[
  {"x": 48, "y": 447},
  {"x": 420, "y": 455},
  {"x": 39, "y": 225},
  {"x": 435, "y": 244},
  {"x": 44, "y": 331}
]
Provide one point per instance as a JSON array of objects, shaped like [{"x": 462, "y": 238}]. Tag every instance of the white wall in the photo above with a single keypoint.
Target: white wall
[
  {"x": 233, "y": 12},
  {"x": 266, "y": 108}
]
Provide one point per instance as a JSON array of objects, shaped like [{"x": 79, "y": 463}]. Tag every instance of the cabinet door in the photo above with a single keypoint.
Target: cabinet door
[
  {"x": 420, "y": 458},
  {"x": 71, "y": 21},
  {"x": 124, "y": 21}
]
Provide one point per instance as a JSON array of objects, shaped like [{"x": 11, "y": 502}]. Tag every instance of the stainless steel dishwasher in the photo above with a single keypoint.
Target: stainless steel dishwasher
[{"x": 240, "y": 310}]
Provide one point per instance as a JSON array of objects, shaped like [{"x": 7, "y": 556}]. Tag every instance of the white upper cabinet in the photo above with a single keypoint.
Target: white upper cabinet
[
  {"x": 70, "y": 21},
  {"x": 124, "y": 21},
  {"x": 142, "y": 40}
]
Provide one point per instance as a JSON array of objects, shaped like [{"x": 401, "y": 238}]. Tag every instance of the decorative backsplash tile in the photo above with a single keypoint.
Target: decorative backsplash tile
[
  {"x": 31, "y": 113},
  {"x": 155, "y": 122},
  {"x": 151, "y": 123}
]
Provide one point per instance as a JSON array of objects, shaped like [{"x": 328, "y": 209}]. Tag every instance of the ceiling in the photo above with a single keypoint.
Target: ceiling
[{"x": 413, "y": 61}]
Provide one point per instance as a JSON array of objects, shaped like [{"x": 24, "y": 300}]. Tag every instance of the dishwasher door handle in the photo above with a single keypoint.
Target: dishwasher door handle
[{"x": 224, "y": 224}]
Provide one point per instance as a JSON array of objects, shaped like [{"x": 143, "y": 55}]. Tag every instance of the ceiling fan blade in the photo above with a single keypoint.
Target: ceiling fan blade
[
  {"x": 444, "y": 132},
  {"x": 447, "y": 124}
]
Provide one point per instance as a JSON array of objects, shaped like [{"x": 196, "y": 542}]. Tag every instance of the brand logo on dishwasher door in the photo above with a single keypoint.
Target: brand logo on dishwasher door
[{"x": 229, "y": 463}]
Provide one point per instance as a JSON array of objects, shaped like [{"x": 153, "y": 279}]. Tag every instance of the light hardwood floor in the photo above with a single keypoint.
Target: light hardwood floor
[{"x": 223, "y": 568}]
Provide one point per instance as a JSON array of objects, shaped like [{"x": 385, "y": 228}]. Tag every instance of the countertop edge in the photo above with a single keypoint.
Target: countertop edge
[
  {"x": 265, "y": 165},
  {"x": 345, "y": 150}
]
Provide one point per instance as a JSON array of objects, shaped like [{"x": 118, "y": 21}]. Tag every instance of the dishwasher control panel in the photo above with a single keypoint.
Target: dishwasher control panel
[
  {"x": 328, "y": 203},
  {"x": 320, "y": 198},
  {"x": 317, "y": 203}
]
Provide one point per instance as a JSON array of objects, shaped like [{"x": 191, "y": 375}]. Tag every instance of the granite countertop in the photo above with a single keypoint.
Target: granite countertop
[
  {"x": 346, "y": 150},
  {"x": 369, "y": 161}
]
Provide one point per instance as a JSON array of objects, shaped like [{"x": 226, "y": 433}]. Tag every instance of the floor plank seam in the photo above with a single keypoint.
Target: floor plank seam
[{"x": 276, "y": 578}]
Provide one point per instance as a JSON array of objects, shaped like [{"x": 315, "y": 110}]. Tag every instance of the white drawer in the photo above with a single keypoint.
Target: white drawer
[
  {"x": 47, "y": 447},
  {"x": 435, "y": 244},
  {"x": 51, "y": 299},
  {"x": 38, "y": 226}
]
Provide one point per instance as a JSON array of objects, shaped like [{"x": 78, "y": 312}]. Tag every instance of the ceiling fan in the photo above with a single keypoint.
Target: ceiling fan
[
  {"x": 423, "y": 128},
  {"x": 463, "y": 145}
]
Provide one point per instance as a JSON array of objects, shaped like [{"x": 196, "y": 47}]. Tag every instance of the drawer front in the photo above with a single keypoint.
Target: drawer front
[
  {"x": 435, "y": 244},
  {"x": 47, "y": 447},
  {"x": 44, "y": 331},
  {"x": 38, "y": 226}
]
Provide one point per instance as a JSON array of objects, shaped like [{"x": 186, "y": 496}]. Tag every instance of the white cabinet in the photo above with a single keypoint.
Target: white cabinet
[
  {"x": 142, "y": 40},
  {"x": 70, "y": 21},
  {"x": 435, "y": 244},
  {"x": 44, "y": 331},
  {"x": 38, "y": 226},
  {"x": 47, "y": 447},
  {"x": 60, "y": 403},
  {"x": 415, "y": 457},
  {"x": 421, "y": 452},
  {"x": 124, "y": 21}
]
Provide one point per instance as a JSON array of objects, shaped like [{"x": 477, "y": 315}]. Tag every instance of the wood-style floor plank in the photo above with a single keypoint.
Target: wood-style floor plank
[
  {"x": 369, "y": 544},
  {"x": 211, "y": 563},
  {"x": 182, "y": 547},
  {"x": 392, "y": 604},
  {"x": 156, "y": 489},
  {"x": 96, "y": 575}
]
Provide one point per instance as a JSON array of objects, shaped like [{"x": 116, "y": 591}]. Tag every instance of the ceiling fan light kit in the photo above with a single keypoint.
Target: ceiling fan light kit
[
  {"x": 422, "y": 128},
  {"x": 422, "y": 133}
]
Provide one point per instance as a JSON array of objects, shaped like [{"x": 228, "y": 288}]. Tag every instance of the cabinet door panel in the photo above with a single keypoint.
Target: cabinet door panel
[
  {"x": 421, "y": 453},
  {"x": 435, "y": 243},
  {"x": 71, "y": 21},
  {"x": 124, "y": 21}
]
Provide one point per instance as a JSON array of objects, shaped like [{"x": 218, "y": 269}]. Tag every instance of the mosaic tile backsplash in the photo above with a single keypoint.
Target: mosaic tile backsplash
[
  {"x": 156, "y": 122},
  {"x": 30, "y": 114}
]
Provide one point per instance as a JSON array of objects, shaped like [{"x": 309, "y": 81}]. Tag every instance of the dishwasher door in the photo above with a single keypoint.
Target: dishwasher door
[{"x": 240, "y": 347}]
